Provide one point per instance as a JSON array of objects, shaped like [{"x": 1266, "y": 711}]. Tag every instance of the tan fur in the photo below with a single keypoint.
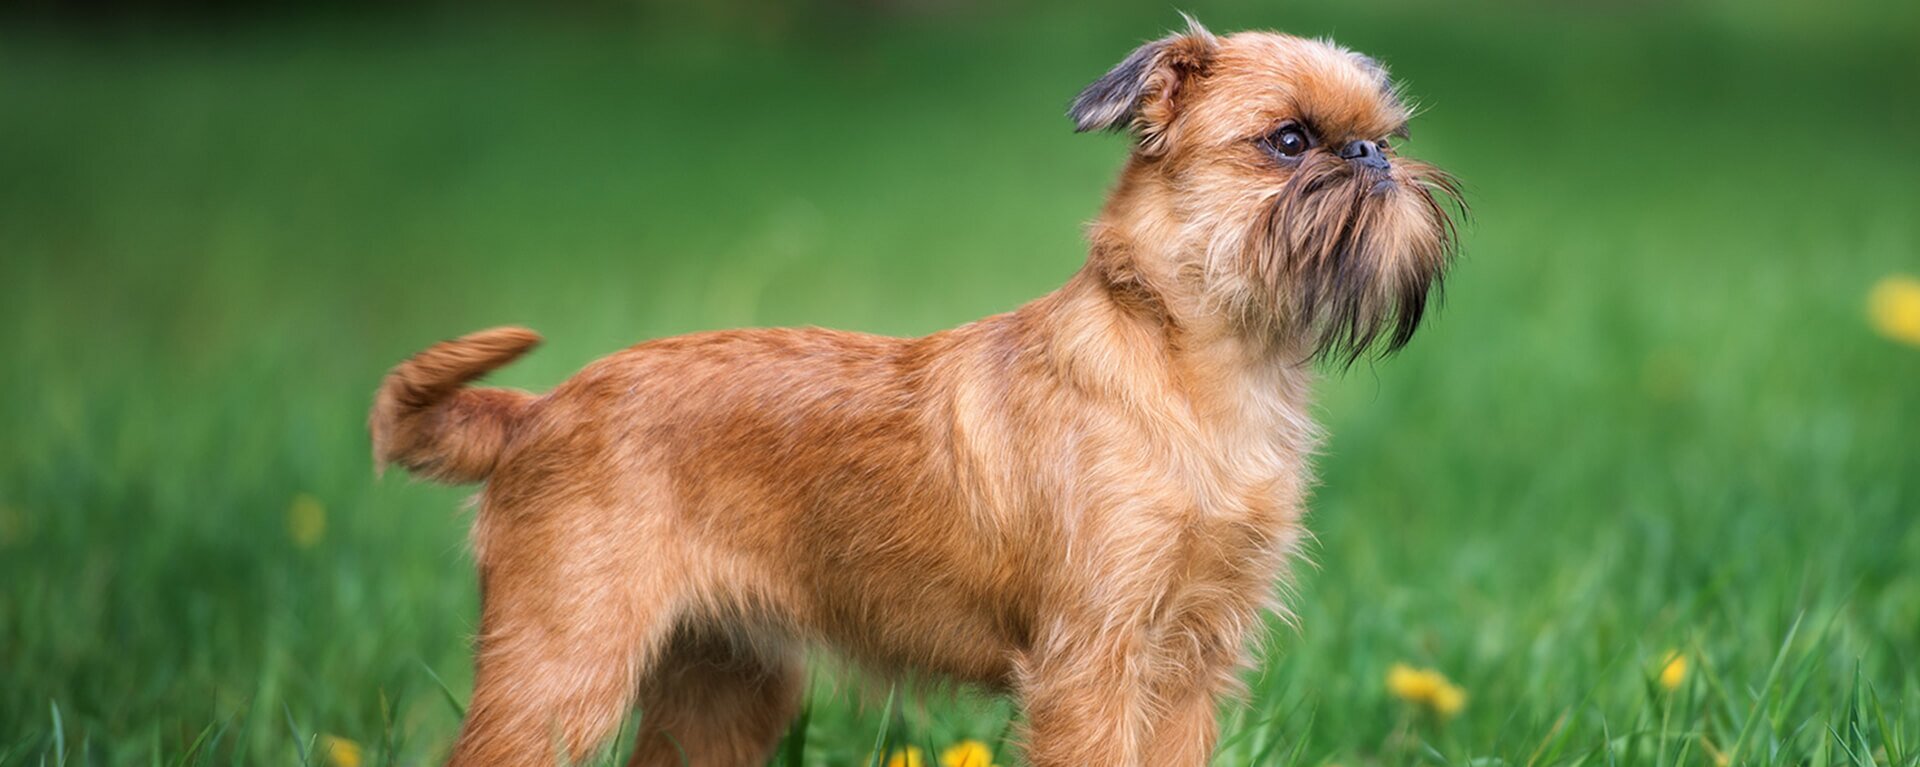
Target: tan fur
[
  {"x": 423, "y": 420},
  {"x": 1086, "y": 502}
]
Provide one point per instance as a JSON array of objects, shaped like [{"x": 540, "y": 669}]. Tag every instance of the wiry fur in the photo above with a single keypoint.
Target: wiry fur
[{"x": 1086, "y": 502}]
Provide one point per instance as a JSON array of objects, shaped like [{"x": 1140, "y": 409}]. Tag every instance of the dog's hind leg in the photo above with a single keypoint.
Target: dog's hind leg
[
  {"x": 571, "y": 620},
  {"x": 712, "y": 700}
]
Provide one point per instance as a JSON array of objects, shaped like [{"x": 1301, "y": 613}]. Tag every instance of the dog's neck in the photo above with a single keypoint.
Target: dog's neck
[
  {"x": 1131, "y": 303},
  {"x": 1151, "y": 256}
]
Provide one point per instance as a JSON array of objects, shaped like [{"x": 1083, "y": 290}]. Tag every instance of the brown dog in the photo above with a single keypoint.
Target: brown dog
[{"x": 1086, "y": 502}]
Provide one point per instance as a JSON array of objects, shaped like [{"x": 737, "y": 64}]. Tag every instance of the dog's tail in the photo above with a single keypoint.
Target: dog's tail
[{"x": 426, "y": 420}]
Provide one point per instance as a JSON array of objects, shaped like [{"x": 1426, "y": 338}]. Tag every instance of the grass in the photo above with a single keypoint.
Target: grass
[{"x": 1652, "y": 417}]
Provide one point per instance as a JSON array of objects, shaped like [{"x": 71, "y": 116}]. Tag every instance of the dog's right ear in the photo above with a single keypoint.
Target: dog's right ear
[{"x": 1142, "y": 91}]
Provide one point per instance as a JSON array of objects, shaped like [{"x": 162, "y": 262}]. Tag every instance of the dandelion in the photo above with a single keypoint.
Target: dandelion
[
  {"x": 967, "y": 753},
  {"x": 1673, "y": 670},
  {"x": 910, "y": 757},
  {"x": 1894, "y": 306},
  {"x": 1410, "y": 683},
  {"x": 1426, "y": 687},
  {"x": 1448, "y": 700},
  {"x": 340, "y": 752},
  {"x": 306, "y": 521}
]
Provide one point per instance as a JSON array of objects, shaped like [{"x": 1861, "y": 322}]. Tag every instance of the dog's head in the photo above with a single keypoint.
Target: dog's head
[{"x": 1271, "y": 161}]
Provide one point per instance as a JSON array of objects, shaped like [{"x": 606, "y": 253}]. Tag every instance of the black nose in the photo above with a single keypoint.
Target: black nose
[{"x": 1366, "y": 153}]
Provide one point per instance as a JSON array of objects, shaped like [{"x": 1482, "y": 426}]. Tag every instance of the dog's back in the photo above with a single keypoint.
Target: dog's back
[{"x": 758, "y": 461}]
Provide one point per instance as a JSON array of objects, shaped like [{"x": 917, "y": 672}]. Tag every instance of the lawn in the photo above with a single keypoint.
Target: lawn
[{"x": 1654, "y": 419}]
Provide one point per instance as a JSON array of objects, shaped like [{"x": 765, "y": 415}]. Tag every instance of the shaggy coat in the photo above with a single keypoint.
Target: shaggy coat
[{"x": 1086, "y": 502}]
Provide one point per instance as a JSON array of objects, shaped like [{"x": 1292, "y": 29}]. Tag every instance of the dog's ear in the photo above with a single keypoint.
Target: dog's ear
[{"x": 1142, "y": 92}]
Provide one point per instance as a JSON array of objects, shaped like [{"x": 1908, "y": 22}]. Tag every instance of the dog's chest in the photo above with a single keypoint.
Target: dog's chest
[
  {"x": 1249, "y": 452},
  {"x": 1226, "y": 527},
  {"x": 1220, "y": 498},
  {"x": 1249, "y": 474}
]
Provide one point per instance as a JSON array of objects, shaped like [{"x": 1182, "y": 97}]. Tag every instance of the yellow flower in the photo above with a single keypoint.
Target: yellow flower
[
  {"x": 1894, "y": 306},
  {"x": 306, "y": 521},
  {"x": 340, "y": 752},
  {"x": 911, "y": 757},
  {"x": 1410, "y": 683},
  {"x": 1673, "y": 670},
  {"x": 1426, "y": 687},
  {"x": 1448, "y": 700},
  {"x": 967, "y": 753}
]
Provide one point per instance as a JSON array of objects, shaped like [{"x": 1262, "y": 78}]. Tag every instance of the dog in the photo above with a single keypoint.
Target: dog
[{"x": 1087, "y": 503}]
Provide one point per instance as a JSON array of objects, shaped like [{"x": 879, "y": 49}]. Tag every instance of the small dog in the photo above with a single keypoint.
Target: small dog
[{"x": 1086, "y": 502}]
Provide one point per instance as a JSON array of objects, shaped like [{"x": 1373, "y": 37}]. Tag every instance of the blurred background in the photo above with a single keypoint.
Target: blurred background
[{"x": 1643, "y": 491}]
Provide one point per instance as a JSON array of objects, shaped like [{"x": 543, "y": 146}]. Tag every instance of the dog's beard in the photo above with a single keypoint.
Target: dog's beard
[{"x": 1347, "y": 259}]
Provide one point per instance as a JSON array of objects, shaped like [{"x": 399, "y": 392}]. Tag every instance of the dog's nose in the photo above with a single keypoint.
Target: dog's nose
[{"x": 1364, "y": 152}]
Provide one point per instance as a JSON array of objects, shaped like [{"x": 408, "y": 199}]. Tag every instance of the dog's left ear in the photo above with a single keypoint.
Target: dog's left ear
[{"x": 1142, "y": 92}]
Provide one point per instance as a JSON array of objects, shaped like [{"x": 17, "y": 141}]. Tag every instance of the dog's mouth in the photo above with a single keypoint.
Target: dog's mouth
[{"x": 1349, "y": 257}]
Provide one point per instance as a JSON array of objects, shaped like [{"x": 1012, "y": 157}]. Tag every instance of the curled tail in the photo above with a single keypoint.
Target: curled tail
[{"x": 426, "y": 420}]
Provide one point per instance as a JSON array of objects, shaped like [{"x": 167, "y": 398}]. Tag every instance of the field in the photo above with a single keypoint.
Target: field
[{"x": 1653, "y": 420}]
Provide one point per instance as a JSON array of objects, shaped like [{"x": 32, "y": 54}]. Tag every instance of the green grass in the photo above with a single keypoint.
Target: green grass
[{"x": 1651, "y": 417}]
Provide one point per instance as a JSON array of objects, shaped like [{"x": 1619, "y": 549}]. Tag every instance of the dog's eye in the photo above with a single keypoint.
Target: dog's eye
[{"x": 1290, "y": 140}]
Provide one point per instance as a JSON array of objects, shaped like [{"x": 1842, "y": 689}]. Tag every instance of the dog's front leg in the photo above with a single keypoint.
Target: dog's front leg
[
  {"x": 1086, "y": 698},
  {"x": 1191, "y": 682},
  {"x": 1130, "y": 671},
  {"x": 1185, "y": 735}
]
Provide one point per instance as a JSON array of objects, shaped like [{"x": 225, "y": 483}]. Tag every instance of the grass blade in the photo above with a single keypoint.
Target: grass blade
[
  {"x": 793, "y": 750},
  {"x": 879, "y": 756},
  {"x": 294, "y": 730},
  {"x": 1773, "y": 678},
  {"x": 59, "y": 735},
  {"x": 453, "y": 701}
]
